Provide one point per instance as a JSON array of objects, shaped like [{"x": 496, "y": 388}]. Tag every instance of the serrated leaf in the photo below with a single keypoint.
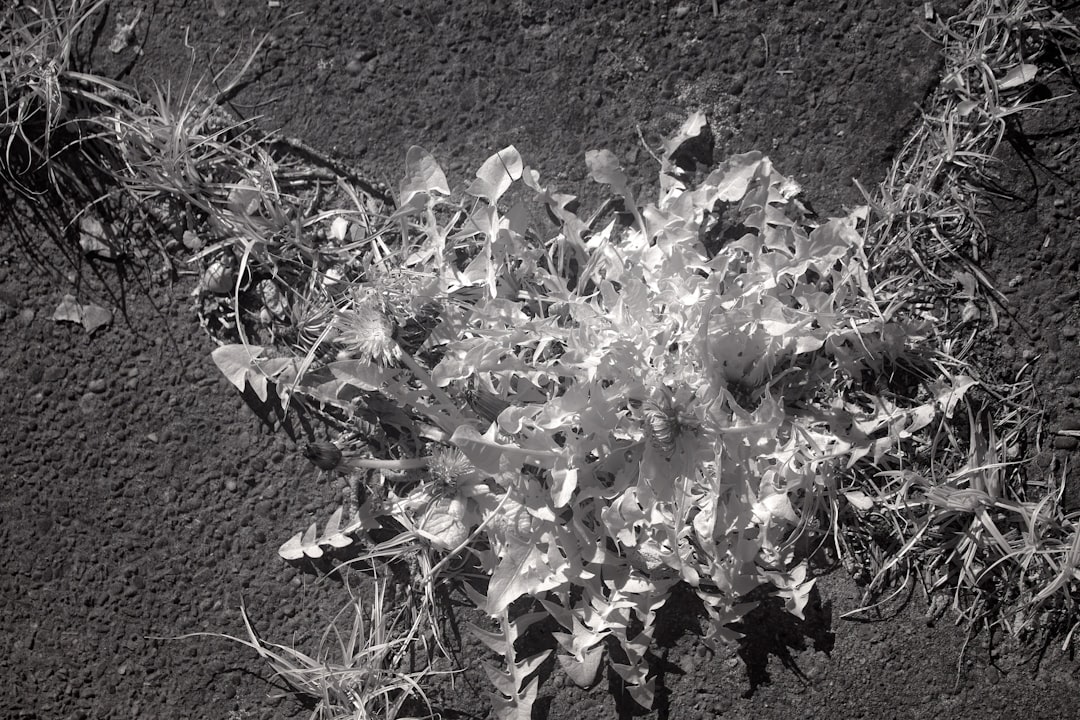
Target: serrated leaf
[
  {"x": 584, "y": 672},
  {"x": 522, "y": 570},
  {"x": 496, "y": 642},
  {"x": 360, "y": 374},
  {"x": 520, "y": 706},
  {"x": 310, "y": 543},
  {"x": 502, "y": 679},
  {"x": 527, "y": 667},
  {"x": 730, "y": 181}
]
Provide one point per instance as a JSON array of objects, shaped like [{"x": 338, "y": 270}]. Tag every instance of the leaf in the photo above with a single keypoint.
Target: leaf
[
  {"x": 92, "y": 239},
  {"x": 691, "y": 128},
  {"x": 497, "y": 174},
  {"x": 497, "y": 642},
  {"x": 520, "y": 706},
  {"x": 522, "y": 570},
  {"x": 91, "y": 317},
  {"x": 1019, "y": 75},
  {"x": 443, "y": 525},
  {"x": 949, "y": 395},
  {"x": 583, "y": 672},
  {"x": 730, "y": 181},
  {"x": 237, "y": 364},
  {"x": 486, "y": 454},
  {"x": 516, "y": 693},
  {"x": 793, "y": 587},
  {"x": 642, "y": 690},
  {"x": 423, "y": 177},
  {"x": 564, "y": 483},
  {"x": 604, "y": 168},
  {"x": 310, "y": 543},
  {"x": 859, "y": 499},
  {"x": 94, "y": 317},
  {"x": 338, "y": 228}
]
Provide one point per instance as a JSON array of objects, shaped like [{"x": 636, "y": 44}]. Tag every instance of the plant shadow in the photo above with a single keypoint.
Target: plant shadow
[{"x": 770, "y": 631}]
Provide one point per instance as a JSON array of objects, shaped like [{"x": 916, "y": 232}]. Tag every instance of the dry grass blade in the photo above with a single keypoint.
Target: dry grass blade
[{"x": 37, "y": 81}]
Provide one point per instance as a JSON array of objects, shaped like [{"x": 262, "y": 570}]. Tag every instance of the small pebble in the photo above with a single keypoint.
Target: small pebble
[
  {"x": 231, "y": 484},
  {"x": 98, "y": 385},
  {"x": 1066, "y": 442},
  {"x": 90, "y": 404}
]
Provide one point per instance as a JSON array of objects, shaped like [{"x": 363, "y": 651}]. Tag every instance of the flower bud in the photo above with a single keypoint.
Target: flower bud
[{"x": 323, "y": 454}]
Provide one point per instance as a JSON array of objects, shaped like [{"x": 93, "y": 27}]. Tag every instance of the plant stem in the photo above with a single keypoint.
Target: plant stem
[{"x": 379, "y": 464}]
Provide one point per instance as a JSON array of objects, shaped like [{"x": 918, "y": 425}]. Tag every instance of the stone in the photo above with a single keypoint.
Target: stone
[{"x": 1066, "y": 442}]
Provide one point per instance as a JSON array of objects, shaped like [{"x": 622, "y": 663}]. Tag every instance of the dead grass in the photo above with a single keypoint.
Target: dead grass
[{"x": 972, "y": 519}]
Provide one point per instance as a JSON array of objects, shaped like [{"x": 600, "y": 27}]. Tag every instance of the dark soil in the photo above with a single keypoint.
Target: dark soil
[{"x": 143, "y": 499}]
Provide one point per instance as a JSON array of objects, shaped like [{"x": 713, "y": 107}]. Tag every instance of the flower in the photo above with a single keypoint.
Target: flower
[
  {"x": 448, "y": 466},
  {"x": 365, "y": 331}
]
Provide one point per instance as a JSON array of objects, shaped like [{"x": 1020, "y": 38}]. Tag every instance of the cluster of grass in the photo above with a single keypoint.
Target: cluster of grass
[
  {"x": 979, "y": 523},
  {"x": 566, "y": 417},
  {"x": 356, "y": 673}
]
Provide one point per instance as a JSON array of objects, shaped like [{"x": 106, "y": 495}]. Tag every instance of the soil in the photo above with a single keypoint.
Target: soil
[{"x": 144, "y": 500}]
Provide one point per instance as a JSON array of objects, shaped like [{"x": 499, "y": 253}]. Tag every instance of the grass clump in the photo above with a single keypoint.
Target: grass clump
[
  {"x": 973, "y": 519},
  {"x": 357, "y": 672}
]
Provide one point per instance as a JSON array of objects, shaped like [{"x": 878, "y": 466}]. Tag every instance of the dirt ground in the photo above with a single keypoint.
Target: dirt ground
[{"x": 143, "y": 500}]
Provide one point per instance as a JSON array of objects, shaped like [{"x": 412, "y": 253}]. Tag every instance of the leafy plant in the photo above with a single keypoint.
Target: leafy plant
[
  {"x": 680, "y": 399},
  {"x": 516, "y": 688}
]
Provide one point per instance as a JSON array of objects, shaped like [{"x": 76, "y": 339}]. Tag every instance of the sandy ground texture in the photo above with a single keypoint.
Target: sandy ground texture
[{"x": 143, "y": 500}]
